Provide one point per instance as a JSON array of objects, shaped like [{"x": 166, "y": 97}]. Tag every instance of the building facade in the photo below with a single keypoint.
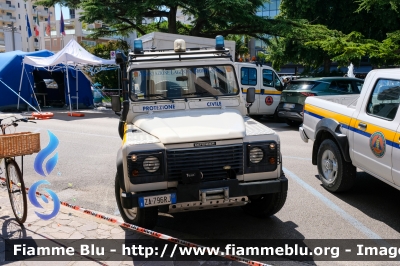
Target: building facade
[
  {"x": 13, "y": 24},
  {"x": 74, "y": 29},
  {"x": 269, "y": 10}
]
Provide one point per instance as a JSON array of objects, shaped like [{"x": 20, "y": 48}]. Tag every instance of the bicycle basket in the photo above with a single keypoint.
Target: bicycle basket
[{"x": 18, "y": 144}]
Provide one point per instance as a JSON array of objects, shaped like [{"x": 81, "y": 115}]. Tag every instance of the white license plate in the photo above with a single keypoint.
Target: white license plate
[
  {"x": 288, "y": 105},
  {"x": 157, "y": 200}
]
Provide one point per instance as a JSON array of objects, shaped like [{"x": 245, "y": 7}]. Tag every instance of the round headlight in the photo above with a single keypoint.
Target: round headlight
[
  {"x": 151, "y": 164},
  {"x": 256, "y": 155}
]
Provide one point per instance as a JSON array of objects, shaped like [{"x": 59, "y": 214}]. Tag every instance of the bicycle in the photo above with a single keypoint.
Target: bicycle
[{"x": 14, "y": 177}]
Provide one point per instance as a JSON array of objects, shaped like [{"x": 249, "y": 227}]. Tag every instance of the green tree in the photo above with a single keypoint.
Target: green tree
[
  {"x": 352, "y": 34},
  {"x": 208, "y": 18},
  {"x": 107, "y": 78}
]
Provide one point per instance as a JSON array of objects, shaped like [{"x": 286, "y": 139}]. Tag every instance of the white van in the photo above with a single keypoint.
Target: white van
[{"x": 267, "y": 83}]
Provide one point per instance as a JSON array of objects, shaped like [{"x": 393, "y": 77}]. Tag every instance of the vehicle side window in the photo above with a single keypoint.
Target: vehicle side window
[
  {"x": 384, "y": 100},
  {"x": 248, "y": 76},
  {"x": 277, "y": 80},
  {"x": 341, "y": 87},
  {"x": 359, "y": 85},
  {"x": 268, "y": 79}
]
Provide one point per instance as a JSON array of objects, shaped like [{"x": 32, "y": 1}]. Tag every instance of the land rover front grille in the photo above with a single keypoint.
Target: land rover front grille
[{"x": 209, "y": 160}]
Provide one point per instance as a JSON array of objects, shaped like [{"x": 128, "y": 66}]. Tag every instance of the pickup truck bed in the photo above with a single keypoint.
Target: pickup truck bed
[{"x": 356, "y": 131}]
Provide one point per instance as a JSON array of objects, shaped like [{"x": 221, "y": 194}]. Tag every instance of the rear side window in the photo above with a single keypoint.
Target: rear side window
[
  {"x": 359, "y": 85},
  {"x": 300, "y": 85},
  {"x": 384, "y": 100},
  {"x": 341, "y": 87},
  {"x": 248, "y": 76}
]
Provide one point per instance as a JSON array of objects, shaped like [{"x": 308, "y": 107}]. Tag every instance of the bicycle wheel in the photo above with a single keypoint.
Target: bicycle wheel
[{"x": 16, "y": 190}]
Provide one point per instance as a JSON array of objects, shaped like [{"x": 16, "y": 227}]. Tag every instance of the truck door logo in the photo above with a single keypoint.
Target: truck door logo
[
  {"x": 269, "y": 100},
  {"x": 377, "y": 143}
]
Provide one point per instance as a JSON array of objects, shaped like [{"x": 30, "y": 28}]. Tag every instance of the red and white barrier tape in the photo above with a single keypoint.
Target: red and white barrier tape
[{"x": 150, "y": 232}]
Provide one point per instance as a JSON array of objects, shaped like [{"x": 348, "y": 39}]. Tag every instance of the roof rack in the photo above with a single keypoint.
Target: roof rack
[{"x": 159, "y": 55}]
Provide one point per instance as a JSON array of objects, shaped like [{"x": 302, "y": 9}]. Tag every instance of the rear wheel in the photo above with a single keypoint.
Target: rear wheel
[
  {"x": 143, "y": 217},
  {"x": 335, "y": 173},
  {"x": 16, "y": 190},
  {"x": 265, "y": 205}
]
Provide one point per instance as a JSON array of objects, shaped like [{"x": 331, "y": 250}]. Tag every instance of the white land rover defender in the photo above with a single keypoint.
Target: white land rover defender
[{"x": 188, "y": 144}]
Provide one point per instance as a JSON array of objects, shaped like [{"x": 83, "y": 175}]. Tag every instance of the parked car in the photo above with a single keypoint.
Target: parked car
[{"x": 295, "y": 93}]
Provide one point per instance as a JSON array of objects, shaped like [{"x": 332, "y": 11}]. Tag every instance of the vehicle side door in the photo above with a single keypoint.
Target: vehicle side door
[
  {"x": 270, "y": 93},
  {"x": 375, "y": 130},
  {"x": 248, "y": 77}
]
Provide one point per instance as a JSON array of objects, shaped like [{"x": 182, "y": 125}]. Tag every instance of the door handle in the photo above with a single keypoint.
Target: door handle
[
  {"x": 262, "y": 91},
  {"x": 362, "y": 125}
]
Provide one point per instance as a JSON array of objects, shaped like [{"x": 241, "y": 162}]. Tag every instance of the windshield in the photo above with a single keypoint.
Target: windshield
[
  {"x": 300, "y": 85},
  {"x": 182, "y": 82}
]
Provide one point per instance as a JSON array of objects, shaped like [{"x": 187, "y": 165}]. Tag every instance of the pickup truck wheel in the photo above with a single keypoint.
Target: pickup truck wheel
[
  {"x": 265, "y": 205},
  {"x": 335, "y": 173},
  {"x": 143, "y": 217},
  {"x": 293, "y": 123}
]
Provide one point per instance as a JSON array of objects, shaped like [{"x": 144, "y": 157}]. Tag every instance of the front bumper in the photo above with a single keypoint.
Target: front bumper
[
  {"x": 195, "y": 193},
  {"x": 303, "y": 134},
  {"x": 290, "y": 113}
]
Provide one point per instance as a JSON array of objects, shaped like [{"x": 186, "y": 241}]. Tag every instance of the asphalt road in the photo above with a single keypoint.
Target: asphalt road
[{"x": 86, "y": 169}]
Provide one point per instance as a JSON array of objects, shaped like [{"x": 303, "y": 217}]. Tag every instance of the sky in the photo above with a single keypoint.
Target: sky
[{"x": 65, "y": 11}]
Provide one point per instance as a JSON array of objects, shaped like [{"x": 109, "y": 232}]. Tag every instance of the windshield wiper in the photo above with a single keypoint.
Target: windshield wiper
[
  {"x": 160, "y": 95},
  {"x": 197, "y": 93}
]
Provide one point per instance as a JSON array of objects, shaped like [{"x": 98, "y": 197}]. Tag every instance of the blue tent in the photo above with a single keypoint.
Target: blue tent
[{"x": 33, "y": 78}]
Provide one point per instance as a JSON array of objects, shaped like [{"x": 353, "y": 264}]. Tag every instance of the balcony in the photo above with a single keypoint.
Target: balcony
[
  {"x": 8, "y": 18},
  {"x": 5, "y": 6}
]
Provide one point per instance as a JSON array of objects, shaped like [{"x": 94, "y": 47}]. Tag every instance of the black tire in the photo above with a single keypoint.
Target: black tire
[
  {"x": 144, "y": 217},
  {"x": 256, "y": 117},
  {"x": 335, "y": 173},
  {"x": 293, "y": 123},
  {"x": 16, "y": 190},
  {"x": 265, "y": 205}
]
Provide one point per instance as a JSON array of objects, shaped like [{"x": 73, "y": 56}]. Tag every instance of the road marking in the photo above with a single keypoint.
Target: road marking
[
  {"x": 298, "y": 158},
  {"x": 353, "y": 221}
]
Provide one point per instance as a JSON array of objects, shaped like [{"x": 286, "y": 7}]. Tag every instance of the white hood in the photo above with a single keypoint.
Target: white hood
[{"x": 193, "y": 125}]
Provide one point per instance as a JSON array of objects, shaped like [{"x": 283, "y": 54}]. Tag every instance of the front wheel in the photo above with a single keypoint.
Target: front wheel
[
  {"x": 335, "y": 173},
  {"x": 265, "y": 205},
  {"x": 143, "y": 217},
  {"x": 16, "y": 190}
]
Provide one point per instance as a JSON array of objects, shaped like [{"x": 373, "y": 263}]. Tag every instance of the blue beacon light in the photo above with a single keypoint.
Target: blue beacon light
[
  {"x": 138, "y": 47},
  {"x": 219, "y": 43}
]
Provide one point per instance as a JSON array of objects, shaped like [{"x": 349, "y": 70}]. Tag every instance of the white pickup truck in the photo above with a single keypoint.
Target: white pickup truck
[
  {"x": 357, "y": 131},
  {"x": 188, "y": 143}
]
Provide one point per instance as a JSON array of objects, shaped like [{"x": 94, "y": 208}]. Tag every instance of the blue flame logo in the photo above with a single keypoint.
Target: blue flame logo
[
  {"x": 34, "y": 201},
  {"x": 44, "y": 153}
]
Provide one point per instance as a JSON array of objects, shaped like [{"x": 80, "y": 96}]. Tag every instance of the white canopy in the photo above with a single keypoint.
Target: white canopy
[{"x": 71, "y": 54}]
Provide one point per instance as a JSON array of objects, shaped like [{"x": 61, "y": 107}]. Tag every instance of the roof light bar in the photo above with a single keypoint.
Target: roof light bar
[
  {"x": 219, "y": 43},
  {"x": 137, "y": 47},
  {"x": 179, "y": 45}
]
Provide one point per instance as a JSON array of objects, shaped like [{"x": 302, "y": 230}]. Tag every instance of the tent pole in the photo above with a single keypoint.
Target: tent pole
[
  {"x": 20, "y": 84},
  {"x": 69, "y": 94},
  {"x": 77, "y": 88}
]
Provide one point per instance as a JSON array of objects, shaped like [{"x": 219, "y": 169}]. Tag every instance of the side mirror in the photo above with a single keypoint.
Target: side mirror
[
  {"x": 280, "y": 87},
  {"x": 116, "y": 103},
  {"x": 251, "y": 95}
]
